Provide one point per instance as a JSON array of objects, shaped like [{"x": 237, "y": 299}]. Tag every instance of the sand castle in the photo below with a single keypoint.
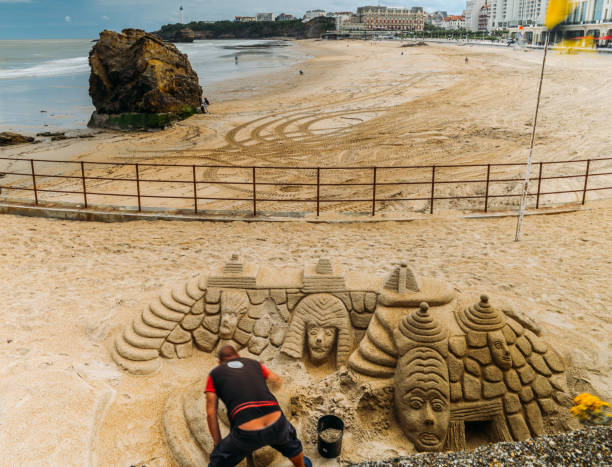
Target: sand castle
[
  {"x": 463, "y": 373},
  {"x": 250, "y": 307},
  {"x": 458, "y": 367}
]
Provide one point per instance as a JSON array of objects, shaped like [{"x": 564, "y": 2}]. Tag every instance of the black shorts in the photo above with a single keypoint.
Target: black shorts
[{"x": 234, "y": 447}]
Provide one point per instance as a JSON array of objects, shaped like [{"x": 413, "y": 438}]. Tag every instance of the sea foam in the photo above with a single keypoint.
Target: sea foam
[{"x": 66, "y": 66}]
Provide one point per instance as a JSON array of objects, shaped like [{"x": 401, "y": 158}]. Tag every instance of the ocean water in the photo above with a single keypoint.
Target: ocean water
[{"x": 44, "y": 83}]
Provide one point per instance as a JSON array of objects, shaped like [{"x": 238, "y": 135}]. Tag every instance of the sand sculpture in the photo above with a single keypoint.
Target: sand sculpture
[
  {"x": 422, "y": 392},
  {"x": 463, "y": 372},
  {"x": 251, "y": 307},
  {"x": 322, "y": 321},
  {"x": 486, "y": 374}
]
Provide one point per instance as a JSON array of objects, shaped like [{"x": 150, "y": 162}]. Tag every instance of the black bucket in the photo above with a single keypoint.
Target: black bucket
[{"x": 327, "y": 449}]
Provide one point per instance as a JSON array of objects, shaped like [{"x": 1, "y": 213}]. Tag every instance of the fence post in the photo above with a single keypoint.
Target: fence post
[
  {"x": 195, "y": 190},
  {"x": 586, "y": 181},
  {"x": 539, "y": 186},
  {"x": 487, "y": 188},
  {"x": 84, "y": 185},
  {"x": 318, "y": 188},
  {"x": 374, "y": 192},
  {"x": 254, "y": 194},
  {"x": 34, "y": 182},
  {"x": 138, "y": 187},
  {"x": 433, "y": 186}
]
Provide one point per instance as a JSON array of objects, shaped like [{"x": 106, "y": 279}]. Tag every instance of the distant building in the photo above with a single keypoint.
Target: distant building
[
  {"x": 341, "y": 17},
  {"x": 524, "y": 19},
  {"x": 436, "y": 18},
  {"x": 312, "y": 14},
  {"x": 512, "y": 13},
  {"x": 265, "y": 17},
  {"x": 472, "y": 13},
  {"x": 483, "y": 18},
  {"x": 453, "y": 22},
  {"x": 353, "y": 27},
  {"x": 392, "y": 19},
  {"x": 245, "y": 19},
  {"x": 285, "y": 17}
]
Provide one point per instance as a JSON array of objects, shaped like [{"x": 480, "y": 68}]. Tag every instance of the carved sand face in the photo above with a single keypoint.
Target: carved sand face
[
  {"x": 422, "y": 399},
  {"x": 320, "y": 342},
  {"x": 424, "y": 412},
  {"x": 499, "y": 350},
  {"x": 233, "y": 306},
  {"x": 229, "y": 320}
]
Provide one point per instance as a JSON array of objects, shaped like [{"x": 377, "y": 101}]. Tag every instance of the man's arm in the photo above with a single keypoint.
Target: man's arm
[
  {"x": 212, "y": 402},
  {"x": 274, "y": 380}
]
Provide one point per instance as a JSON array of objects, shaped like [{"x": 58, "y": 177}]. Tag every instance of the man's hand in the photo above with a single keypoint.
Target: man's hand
[{"x": 212, "y": 404}]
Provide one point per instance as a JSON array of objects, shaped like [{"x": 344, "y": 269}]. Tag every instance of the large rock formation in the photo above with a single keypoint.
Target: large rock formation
[{"x": 139, "y": 81}]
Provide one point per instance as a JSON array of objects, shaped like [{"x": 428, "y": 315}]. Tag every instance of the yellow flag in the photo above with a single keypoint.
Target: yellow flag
[{"x": 557, "y": 11}]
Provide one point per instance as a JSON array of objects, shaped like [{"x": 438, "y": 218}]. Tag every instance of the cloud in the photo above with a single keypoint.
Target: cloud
[
  {"x": 68, "y": 19},
  {"x": 105, "y": 17}
]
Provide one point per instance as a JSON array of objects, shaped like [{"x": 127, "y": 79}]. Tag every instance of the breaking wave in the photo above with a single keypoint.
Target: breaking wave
[{"x": 66, "y": 66}]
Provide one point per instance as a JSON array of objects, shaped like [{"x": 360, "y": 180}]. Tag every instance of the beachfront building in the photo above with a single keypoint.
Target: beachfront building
[
  {"x": 312, "y": 14},
  {"x": 472, "y": 14},
  {"x": 285, "y": 17},
  {"x": 589, "y": 18},
  {"x": 245, "y": 19},
  {"x": 436, "y": 18},
  {"x": 524, "y": 19},
  {"x": 354, "y": 29},
  {"x": 512, "y": 13},
  {"x": 392, "y": 19},
  {"x": 265, "y": 16},
  {"x": 453, "y": 22},
  {"x": 483, "y": 18},
  {"x": 341, "y": 18}
]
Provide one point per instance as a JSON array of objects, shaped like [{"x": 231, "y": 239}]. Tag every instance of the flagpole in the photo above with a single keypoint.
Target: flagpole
[{"x": 519, "y": 224}]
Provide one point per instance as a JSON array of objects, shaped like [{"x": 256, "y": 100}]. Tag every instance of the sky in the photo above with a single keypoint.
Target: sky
[{"x": 66, "y": 19}]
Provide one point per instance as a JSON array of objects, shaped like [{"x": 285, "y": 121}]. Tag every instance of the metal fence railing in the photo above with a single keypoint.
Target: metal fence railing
[{"x": 371, "y": 190}]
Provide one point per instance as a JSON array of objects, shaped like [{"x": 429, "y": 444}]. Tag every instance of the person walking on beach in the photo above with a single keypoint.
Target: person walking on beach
[
  {"x": 255, "y": 417},
  {"x": 205, "y": 104},
  {"x": 466, "y": 60}
]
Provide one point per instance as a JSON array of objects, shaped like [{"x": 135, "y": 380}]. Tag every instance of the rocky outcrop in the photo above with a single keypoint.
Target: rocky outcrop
[
  {"x": 139, "y": 81},
  {"x": 250, "y": 30},
  {"x": 7, "y": 139},
  {"x": 182, "y": 35}
]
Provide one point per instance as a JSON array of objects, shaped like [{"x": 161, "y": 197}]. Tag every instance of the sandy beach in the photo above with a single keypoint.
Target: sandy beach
[
  {"x": 362, "y": 104},
  {"x": 69, "y": 287}
]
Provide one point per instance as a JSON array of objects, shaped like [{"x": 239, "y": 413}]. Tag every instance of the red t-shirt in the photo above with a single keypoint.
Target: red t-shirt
[
  {"x": 241, "y": 385},
  {"x": 210, "y": 387}
]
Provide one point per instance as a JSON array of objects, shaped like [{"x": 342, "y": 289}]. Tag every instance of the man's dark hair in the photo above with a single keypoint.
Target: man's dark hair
[{"x": 227, "y": 352}]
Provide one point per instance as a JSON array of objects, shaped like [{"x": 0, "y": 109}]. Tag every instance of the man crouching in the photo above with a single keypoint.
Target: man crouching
[{"x": 255, "y": 417}]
